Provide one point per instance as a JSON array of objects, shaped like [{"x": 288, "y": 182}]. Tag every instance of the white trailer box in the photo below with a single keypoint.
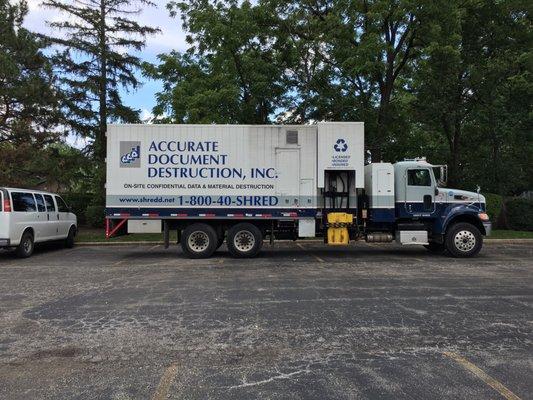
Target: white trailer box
[{"x": 187, "y": 170}]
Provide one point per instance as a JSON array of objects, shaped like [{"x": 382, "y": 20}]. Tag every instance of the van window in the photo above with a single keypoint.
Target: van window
[
  {"x": 40, "y": 203},
  {"x": 23, "y": 202},
  {"x": 49, "y": 201},
  {"x": 61, "y": 206},
  {"x": 418, "y": 177}
]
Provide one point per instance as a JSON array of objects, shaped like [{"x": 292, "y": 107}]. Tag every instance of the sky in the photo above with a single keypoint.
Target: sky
[{"x": 172, "y": 37}]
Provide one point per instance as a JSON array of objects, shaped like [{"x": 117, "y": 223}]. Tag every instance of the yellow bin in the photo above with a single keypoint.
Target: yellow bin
[{"x": 338, "y": 228}]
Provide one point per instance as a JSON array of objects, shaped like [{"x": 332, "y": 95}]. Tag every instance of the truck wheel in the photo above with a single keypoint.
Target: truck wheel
[
  {"x": 26, "y": 245},
  {"x": 69, "y": 241},
  {"x": 435, "y": 247},
  {"x": 244, "y": 240},
  {"x": 199, "y": 241},
  {"x": 463, "y": 240}
]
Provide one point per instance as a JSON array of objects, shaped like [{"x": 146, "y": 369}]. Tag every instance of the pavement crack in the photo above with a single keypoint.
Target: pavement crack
[{"x": 280, "y": 376}]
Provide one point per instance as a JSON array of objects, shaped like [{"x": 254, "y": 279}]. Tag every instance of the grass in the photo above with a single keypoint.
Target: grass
[
  {"x": 503, "y": 234},
  {"x": 98, "y": 235}
]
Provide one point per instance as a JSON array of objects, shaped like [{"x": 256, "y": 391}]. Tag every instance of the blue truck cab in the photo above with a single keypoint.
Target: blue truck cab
[{"x": 407, "y": 201}]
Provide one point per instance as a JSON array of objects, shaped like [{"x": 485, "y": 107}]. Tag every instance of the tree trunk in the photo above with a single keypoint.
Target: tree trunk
[{"x": 102, "y": 113}]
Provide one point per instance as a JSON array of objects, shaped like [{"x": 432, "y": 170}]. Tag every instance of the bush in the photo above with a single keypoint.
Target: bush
[
  {"x": 95, "y": 216},
  {"x": 78, "y": 202},
  {"x": 520, "y": 214},
  {"x": 494, "y": 205}
]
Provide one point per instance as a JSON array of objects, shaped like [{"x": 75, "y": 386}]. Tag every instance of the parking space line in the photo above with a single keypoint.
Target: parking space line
[
  {"x": 489, "y": 380},
  {"x": 118, "y": 263},
  {"x": 301, "y": 246},
  {"x": 165, "y": 382},
  {"x": 153, "y": 247}
]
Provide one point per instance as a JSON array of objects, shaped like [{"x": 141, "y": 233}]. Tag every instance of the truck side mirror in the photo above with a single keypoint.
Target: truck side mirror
[{"x": 436, "y": 191}]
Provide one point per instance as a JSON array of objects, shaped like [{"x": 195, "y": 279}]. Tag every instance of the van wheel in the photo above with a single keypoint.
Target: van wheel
[
  {"x": 244, "y": 240},
  {"x": 26, "y": 245},
  {"x": 463, "y": 240},
  {"x": 199, "y": 241},
  {"x": 69, "y": 241}
]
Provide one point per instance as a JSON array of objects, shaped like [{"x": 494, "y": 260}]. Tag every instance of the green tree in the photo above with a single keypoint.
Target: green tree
[
  {"x": 473, "y": 90},
  {"x": 364, "y": 51},
  {"x": 232, "y": 72},
  {"x": 94, "y": 60},
  {"x": 29, "y": 109},
  {"x": 56, "y": 167}
]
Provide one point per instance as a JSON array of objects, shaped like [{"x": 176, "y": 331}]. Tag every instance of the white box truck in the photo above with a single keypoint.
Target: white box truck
[{"x": 244, "y": 183}]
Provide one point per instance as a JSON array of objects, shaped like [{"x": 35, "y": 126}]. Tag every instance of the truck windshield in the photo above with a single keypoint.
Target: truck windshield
[{"x": 441, "y": 174}]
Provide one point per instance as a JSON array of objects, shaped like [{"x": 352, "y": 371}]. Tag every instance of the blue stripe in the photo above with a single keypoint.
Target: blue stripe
[
  {"x": 218, "y": 212},
  {"x": 382, "y": 215}
]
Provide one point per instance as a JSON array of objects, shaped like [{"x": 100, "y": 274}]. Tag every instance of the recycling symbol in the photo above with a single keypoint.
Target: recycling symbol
[{"x": 340, "y": 145}]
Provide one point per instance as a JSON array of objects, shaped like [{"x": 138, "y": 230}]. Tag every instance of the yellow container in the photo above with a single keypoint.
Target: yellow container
[{"x": 338, "y": 228}]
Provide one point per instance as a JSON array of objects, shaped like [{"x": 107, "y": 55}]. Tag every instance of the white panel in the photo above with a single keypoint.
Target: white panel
[
  {"x": 288, "y": 172},
  {"x": 144, "y": 226},
  {"x": 306, "y": 227},
  {"x": 412, "y": 237},
  {"x": 379, "y": 185},
  {"x": 341, "y": 146},
  {"x": 307, "y": 193}
]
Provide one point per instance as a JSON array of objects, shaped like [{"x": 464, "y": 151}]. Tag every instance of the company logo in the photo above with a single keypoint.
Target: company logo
[
  {"x": 340, "y": 145},
  {"x": 130, "y": 154}
]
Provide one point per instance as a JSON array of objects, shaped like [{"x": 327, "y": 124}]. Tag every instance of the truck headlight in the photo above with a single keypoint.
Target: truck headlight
[{"x": 483, "y": 216}]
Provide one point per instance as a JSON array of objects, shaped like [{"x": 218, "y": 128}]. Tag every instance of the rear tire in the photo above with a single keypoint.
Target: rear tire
[
  {"x": 244, "y": 240},
  {"x": 463, "y": 240},
  {"x": 199, "y": 241},
  {"x": 26, "y": 246},
  {"x": 69, "y": 241}
]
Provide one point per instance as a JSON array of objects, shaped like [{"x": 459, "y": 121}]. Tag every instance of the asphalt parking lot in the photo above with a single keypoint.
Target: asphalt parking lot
[{"x": 302, "y": 321}]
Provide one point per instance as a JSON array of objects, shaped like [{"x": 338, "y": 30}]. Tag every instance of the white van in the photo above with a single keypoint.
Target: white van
[{"x": 30, "y": 216}]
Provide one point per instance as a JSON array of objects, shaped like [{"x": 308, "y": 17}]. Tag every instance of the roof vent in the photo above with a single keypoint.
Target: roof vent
[{"x": 292, "y": 137}]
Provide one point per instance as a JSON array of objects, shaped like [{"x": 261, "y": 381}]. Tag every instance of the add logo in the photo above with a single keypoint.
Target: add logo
[
  {"x": 130, "y": 154},
  {"x": 340, "y": 145}
]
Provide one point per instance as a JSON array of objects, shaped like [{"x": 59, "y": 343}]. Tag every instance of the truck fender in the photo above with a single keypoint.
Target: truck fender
[{"x": 462, "y": 213}]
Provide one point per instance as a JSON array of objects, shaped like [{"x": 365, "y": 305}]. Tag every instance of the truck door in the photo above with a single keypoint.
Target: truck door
[
  {"x": 419, "y": 192},
  {"x": 288, "y": 172}
]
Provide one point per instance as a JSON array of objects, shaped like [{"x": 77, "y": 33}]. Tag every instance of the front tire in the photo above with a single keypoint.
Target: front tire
[
  {"x": 463, "y": 240},
  {"x": 199, "y": 241},
  {"x": 244, "y": 240},
  {"x": 26, "y": 245},
  {"x": 69, "y": 241}
]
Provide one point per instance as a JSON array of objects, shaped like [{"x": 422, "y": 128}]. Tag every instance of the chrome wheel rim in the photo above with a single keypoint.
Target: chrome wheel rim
[
  {"x": 27, "y": 245},
  {"x": 244, "y": 241},
  {"x": 464, "y": 241},
  {"x": 198, "y": 241}
]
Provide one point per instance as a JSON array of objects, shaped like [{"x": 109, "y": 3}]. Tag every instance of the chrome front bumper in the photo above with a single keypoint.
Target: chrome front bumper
[{"x": 488, "y": 228}]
